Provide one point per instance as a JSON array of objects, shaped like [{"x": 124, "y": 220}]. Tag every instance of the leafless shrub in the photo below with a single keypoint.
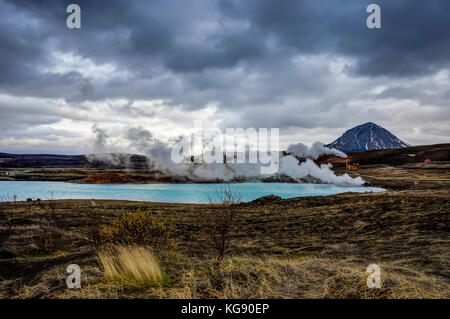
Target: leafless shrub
[
  {"x": 216, "y": 224},
  {"x": 48, "y": 236},
  {"x": 52, "y": 209},
  {"x": 29, "y": 204},
  {"x": 94, "y": 229},
  {"x": 48, "y": 233},
  {"x": 6, "y": 222}
]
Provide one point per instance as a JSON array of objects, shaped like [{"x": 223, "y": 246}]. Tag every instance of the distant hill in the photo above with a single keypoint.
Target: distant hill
[
  {"x": 42, "y": 161},
  {"x": 397, "y": 156},
  {"x": 400, "y": 156},
  {"x": 107, "y": 161},
  {"x": 366, "y": 137}
]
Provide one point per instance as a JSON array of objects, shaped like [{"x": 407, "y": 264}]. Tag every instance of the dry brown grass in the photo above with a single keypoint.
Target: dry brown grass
[
  {"x": 297, "y": 248},
  {"x": 6, "y": 223},
  {"x": 248, "y": 277},
  {"x": 131, "y": 266},
  {"x": 351, "y": 284}
]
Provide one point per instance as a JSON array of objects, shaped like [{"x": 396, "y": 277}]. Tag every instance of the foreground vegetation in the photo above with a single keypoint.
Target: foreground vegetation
[{"x": 317, "y": 247}]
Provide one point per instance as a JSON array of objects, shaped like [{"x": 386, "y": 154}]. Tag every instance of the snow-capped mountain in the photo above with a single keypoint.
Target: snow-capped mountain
[{"x": 368, "y": 136}]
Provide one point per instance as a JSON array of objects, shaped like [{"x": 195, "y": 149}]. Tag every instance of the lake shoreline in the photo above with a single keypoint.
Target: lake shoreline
[{"x": 172, "y": 193}]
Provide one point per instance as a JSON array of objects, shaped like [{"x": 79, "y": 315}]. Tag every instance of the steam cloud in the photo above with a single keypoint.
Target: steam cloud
[
  {"x": 314, "y": 152},
  {"x": 290, "y": 168}
]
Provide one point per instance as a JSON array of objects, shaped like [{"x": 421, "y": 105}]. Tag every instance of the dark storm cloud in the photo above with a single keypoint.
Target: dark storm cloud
[
  {"x": 410, "y": 41},
  {"x": 133, "y": 33},
  {"x": 182, "y": 37},
  {"x": 414, "y": 37},
  {"x": 24, "y": 53}
]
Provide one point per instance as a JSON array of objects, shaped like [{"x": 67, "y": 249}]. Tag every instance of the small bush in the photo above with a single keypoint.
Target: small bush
[
  {"x": 139, "y": 228},
  {"x": 134, "y": 267}
]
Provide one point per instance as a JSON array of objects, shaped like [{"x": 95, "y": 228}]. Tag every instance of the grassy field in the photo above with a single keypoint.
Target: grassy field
[
  {"x": 404, "y": 177},
  {"x": 317, "y": 247}
]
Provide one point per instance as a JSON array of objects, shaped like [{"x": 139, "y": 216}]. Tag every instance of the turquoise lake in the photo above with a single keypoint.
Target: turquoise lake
[{"x": 174, "y": 193}]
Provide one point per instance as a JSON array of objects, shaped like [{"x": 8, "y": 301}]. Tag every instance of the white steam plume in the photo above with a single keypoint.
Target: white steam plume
[
  {"x": 159, "y": 154},
  {"x": 314, "y": 152},
  {"x": 288, "y": 167}
]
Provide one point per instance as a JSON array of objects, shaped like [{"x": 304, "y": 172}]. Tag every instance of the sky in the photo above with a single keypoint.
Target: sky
[{"x": 138, "y": 73}]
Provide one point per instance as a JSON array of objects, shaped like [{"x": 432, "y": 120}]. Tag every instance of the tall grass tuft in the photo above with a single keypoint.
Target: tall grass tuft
[{"x": 132, "y": 266}]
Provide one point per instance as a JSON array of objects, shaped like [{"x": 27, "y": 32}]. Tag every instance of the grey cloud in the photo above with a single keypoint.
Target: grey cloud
[
  {"x": 423, "y": 92},
  {"x": 413, "y": 40},
  {"x": 141, "y": 35},
  {"x": 262, "y": 63},
  {"x": 140, "y": 138},
  {"x": 129, "y": 110}
]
